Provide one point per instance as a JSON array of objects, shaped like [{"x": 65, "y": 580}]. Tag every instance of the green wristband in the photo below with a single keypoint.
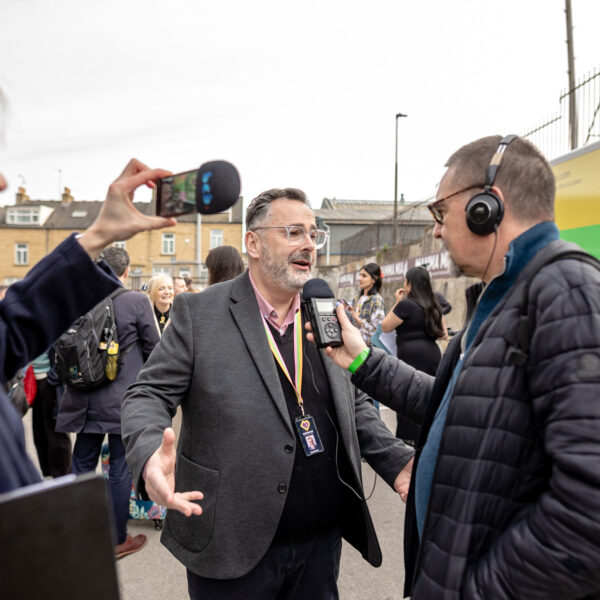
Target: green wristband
[{"x": 359, "y": 360}]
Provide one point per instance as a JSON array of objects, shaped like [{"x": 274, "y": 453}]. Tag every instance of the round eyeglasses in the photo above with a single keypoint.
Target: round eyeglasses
[{"x": 296, "y": 234}]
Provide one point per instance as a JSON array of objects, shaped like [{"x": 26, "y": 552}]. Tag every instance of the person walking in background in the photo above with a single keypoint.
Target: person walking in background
[
  {"x": 53, "y": 447},
  {"x": 417, "y": 319},
  {"x": 92, "y": 414},
  {"x": 223, "y": 263},
  {"x": 368, "y": 310},
  {"x": 160, "y": 291},
  {"x": 179, "y": 286}
]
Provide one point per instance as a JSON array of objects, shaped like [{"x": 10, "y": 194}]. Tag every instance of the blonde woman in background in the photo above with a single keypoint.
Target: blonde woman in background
[{"x": 160, "y": 291}]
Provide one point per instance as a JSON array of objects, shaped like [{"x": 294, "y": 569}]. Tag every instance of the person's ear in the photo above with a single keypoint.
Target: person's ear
[{"x": 253, "y": 244}]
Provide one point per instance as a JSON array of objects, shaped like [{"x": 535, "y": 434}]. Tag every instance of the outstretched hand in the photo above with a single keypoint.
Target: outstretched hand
[
  {"x": 160, "y": 479},
  {"x": 118, "y": 219},
  {"x": 402, "y": 481},
  {"x": 353, "y": 342}
]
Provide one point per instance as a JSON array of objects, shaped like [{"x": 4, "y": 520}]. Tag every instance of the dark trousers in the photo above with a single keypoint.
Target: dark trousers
[
  {"x": 85, "y": 460},
  {"x": 305, "y": 569},
  {"x": 53, "y": 448}
]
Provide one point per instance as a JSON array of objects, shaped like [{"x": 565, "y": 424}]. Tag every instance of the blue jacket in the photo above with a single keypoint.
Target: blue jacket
[{"x": 36, "y": 311}]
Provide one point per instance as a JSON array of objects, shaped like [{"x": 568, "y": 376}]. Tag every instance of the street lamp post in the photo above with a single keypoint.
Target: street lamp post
[{"x": 396, "y": 185}]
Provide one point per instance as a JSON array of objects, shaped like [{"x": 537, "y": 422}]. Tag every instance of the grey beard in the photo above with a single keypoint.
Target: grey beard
[{"x": 281, "y": 275}]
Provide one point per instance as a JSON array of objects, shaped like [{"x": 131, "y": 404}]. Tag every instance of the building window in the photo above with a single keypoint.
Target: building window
[
  {"x": 168, "y": 243},
  {"x": 185, "y": 272},
  {"x": 161, "y": 270},
  {"x": 216, "y": 238},
  {"x": 120, "y": 245},
  {"x": 24, "y": 215},
  {"x": 21, "y": 254}
]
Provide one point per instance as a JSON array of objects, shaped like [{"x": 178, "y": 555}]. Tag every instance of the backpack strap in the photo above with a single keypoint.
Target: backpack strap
[
  {"x": 519, "y": 337},
  {"x": 118, "y": 292}
]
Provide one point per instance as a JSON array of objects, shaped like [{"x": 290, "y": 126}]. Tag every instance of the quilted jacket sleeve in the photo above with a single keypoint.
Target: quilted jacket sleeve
[
  {"x": 395, "y": 384},
  {"x": 553, "y": 550}
]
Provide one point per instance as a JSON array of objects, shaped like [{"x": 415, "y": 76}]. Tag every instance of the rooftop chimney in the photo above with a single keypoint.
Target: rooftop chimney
[
  {"x": 66, "y": 197},
  {"x": 21, "y": 196}
]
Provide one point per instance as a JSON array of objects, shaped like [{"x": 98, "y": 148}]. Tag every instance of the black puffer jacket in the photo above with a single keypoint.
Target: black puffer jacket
[{"x": 514, "y": 510}]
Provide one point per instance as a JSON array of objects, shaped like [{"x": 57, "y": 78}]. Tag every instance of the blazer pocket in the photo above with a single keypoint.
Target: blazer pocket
[{"x": 194, "y": 533}]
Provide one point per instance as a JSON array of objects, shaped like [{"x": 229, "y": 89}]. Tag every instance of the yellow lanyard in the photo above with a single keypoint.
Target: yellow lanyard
[{"x": 297, "y": 356}]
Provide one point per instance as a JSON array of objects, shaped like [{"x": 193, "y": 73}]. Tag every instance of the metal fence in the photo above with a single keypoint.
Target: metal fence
[
  {"x": 552, "y": 135},
  {"x": 412, "y": 220}
]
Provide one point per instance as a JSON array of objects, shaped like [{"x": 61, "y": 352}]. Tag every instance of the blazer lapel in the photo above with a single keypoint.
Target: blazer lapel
[{"x": 244, "y": 309}]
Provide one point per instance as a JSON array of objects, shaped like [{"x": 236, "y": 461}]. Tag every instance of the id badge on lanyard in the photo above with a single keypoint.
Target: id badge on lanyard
[{"x": 305, "y": 424}]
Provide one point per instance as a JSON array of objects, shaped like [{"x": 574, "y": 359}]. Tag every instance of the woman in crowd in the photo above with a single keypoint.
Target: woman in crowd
[
  {"x": 368, "y": 309},
  {"x": 417, "y": 319},
  {"x": 223, "y": 263},
  {"x": 160, "y": 290}
]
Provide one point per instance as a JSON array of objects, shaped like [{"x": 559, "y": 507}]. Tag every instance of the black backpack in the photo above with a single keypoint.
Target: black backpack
[{"x": 87, "y": 354}]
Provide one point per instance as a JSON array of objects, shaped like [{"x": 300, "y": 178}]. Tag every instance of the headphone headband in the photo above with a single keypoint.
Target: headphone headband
[
  {"x": 485, "y": 210},
  {"x": 494, "y": 165}
]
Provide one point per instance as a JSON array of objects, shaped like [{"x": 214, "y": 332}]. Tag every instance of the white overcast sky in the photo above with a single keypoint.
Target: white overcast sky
[{"x": 298, "y": 94}]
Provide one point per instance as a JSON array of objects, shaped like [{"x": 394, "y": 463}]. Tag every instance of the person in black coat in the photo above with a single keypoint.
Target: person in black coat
[
  {"x": 417, "y": 319},
  {"x": 64, "y": 285},
  {"x": 505, "y": 489},
  {"x": 93, "y": 413}
]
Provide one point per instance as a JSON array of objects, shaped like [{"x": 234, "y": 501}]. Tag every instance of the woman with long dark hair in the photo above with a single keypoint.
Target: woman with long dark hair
[
  {"x": 417, "y": 319},
  {"x": 368, "y": 309},
  {"x": 223, "y": 263}
]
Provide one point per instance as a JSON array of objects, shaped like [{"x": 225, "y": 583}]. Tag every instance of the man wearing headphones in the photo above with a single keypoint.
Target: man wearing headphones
[{"x": 505, "y": 494}]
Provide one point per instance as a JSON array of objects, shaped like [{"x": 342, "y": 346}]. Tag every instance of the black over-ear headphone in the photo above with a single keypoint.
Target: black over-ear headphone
[{"x": 485, "y": 210}]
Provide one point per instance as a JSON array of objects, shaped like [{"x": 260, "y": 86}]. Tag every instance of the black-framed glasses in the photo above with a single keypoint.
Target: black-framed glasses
[
  {"x": 434, "y": 207},
  {"x": 296, "y": 234}
]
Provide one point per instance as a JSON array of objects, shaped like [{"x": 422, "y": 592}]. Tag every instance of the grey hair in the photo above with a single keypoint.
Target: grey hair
[
  {"x": 258, "y": 209},
  {"x": 524, "y": 176}
]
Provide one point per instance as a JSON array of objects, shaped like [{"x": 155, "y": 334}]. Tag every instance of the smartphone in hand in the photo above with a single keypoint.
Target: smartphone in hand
[{"x": 176, "y": 194}]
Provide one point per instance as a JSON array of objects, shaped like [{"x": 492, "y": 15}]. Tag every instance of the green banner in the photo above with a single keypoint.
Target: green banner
[{"x": 587, "y": 237}]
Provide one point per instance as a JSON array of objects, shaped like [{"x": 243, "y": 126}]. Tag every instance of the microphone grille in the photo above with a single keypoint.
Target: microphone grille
[
  {"x": 217, "y": 187},
  {"x": 317, "y": 288}
]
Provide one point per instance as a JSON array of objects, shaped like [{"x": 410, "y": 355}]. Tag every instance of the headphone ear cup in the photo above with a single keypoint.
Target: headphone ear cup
[{"x": 484, "y": 213}]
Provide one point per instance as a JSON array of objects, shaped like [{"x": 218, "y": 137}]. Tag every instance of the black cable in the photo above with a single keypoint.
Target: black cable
[{"x": 492, "y": 254}]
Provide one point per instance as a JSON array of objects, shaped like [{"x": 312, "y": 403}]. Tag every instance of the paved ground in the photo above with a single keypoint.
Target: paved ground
[{"x": 153, "y": 574}]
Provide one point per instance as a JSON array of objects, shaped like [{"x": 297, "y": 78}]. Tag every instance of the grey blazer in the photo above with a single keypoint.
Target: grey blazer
[{"x": 215, "y": 362}]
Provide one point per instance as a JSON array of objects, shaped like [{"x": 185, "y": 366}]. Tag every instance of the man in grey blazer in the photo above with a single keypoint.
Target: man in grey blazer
[{"x": 274, "y": 506}]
